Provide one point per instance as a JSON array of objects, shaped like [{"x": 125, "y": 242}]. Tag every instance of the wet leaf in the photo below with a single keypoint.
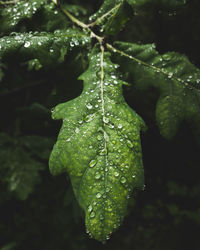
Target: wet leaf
[{"x": 99, "y": 146}]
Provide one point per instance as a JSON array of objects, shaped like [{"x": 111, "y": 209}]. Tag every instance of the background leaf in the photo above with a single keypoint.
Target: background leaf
[
  {"x": 19, "y": 171},
  {"x": 177, "y": 80},
  {"x": 46, "y": 47},
  {"x": 13, "y": 14},
  {"x": 163, "y": 3}
]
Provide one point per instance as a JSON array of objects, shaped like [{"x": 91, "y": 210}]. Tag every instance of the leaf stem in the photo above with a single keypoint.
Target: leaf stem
[
  {"x": 79, "y": 23},
  {"x": 74, "y": 19}
]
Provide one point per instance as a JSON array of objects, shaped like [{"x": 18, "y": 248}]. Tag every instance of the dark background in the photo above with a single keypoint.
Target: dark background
[{"x": 166, "y": 215}]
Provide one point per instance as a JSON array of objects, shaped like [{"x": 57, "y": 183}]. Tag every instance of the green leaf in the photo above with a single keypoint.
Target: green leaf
[
  {"x": 112, "y": 16},
  {"x": 50, "y": 18},
  {"x": 106, "y": 7},
  {"x": 76, "y": 10},
  {"x": 19, "y": 171},
  {"x": 47, "y": 47},
  {"x": 13, "y": 14},
  {"x": 99, "y": 146},
  {"x": 164, "y": 3},
  {"x": 177, "y": 80}
]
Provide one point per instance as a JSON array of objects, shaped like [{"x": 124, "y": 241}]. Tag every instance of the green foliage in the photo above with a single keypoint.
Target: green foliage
[
  {"x": 44, "y": 47},
  {"x": 12, "y": 15},
  {"x": 19, "y": 170},
  {"x": 177, "y": 80},
  {"x": 165, "y": 3},
  {"x": 101, "y": 121},
  {"x": 112, "y": 17}
]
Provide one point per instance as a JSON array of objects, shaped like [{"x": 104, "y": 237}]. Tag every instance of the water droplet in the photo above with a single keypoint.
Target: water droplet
[
  {"x": 106, "y": 120},
  {"x": 92, "y": 215},
  {"x": 103, "y": 152},
  {"x": 90, "y": 208},
  {"x": 27, "y": 44},
  {"x": 101, "y": 217},
  {"x": 107, "y": 237},
  {"x": 120, "y": 126},
  {"x": 166, "y": 57},
  {"x": 77, "y": 130},
  {"x": 89, "y": 106},
  {"x": 170, "y": 75},
  {"x": 97, "y": 176},
  {"x": 99, "y": 137},
  {"x": 116, "y": 174},
  {"x": 92, "y": 163},
  {"x": 98, "y": 195},
  {"x": 130, "y": 144},
  {"x": 123, "y": 180}
]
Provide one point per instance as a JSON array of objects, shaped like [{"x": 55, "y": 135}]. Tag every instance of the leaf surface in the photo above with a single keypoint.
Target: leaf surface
[
  {"x": 45, "y": 46},
  {"x": 176, "y": 78},
  {"x": 99, "y": 146},
  {"x": 19, "y": 170},
  {"x": 112, "y": 16},
  {"x": 165, "y": 3},
  {"x": 13, "y": 14}
]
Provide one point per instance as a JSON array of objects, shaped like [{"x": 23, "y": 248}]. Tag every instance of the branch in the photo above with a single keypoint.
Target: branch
[{"x": 78, "y": 22}]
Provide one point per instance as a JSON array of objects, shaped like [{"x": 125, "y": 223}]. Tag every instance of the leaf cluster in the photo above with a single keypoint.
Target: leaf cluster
[{"x": 99, "y": 143}]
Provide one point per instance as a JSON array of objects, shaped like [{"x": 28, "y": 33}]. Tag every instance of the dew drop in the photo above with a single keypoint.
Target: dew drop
[
  {"x": 97, "y": 176},
  {"x": 116, "y": 174},
  {"x": 92, "y": 163},
  {"x": 92, "y": 215},
  {"x": 99, "y": 137},
  {"x": 123, "y": 180},
  {"x": 89, "y": 106},
  {"x": 98, "y": 195},
  {"x": 27, "y": 44},
  {"x": 106, "y": 120},
  {"x": 90, "y": 208},
  {"x": 130, "y": 144},
  {"x": 77, "y": 130},
  {"x": 101, "y": 217},
  {"x": 166, "y": 57}
]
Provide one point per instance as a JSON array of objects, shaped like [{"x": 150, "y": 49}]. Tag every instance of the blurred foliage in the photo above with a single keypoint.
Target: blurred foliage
[{"x": 44, "y": 214}]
